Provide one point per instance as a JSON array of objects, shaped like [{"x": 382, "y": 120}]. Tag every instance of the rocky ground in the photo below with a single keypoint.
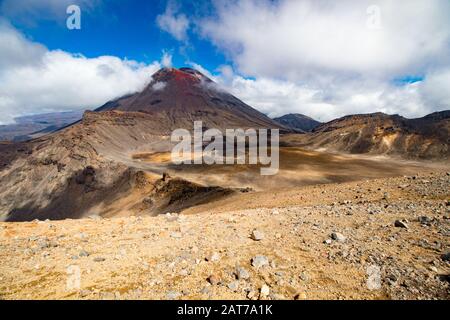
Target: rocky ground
[{"x": 378, "y": 239}]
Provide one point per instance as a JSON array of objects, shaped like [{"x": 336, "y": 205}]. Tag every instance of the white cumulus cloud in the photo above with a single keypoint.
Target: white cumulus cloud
[
  {"x": 36, "y": 80},
  {"x": 174, "y": 23},
  {"x": 166, "y": 60},
  {"x": 276, "y": 97},
  {"x": 158, "y": 86},
  {"x": 298, "y": 38},
  {"x": 330, "y": 58}
]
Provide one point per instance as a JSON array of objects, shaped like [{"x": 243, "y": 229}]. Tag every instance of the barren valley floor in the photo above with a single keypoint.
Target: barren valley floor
[{"x": 384, "y": 238}]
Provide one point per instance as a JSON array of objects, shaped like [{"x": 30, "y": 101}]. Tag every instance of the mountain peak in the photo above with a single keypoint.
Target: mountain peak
[
  {"x": 298, "y": 122},
  {"x": 181, "y": 74},
  {"x": 180, "y": 96}
]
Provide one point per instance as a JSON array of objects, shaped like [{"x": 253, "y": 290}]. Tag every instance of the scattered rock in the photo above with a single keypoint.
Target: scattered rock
[
  {"x": 252, "y": 295},
  {"x": 446, "y": 256},
  {"x": 84, "y": 293},
  {"x": 83, "y": 253},
  {"x": 205, "y": 290},
  {"x": 184, "y": 273},
  {"x": 264, "y": 291},
  {"x": 424, "y": 220},
  {"x": 107, "y": 296},
  {"x": 242, "y": 274},
  {"x": 304, "y": 276},
  {"x": 171, "y": 217},
  {"x": 257, "y": 235},
  {"x": 173, "y": 295},
  {"x": 260, "y": 261},
  {"x": 176, "y": 235},
  {"x": 194, "y": 249},
  {"x": 434, "y": 269},
  {"x": 401, "y": 224},
  {"x": 99, "y": 259},
  {"x": 214, "y": 279},
  {"x": 81, "y": 236},
  {"x": 338, "y": 237},
  {"x": 300, "y": 296},
  {"x": 43, "y": 244},
  {"x": 302, "y": 228},
  {"x": 213, "y": 257},
  {"x": 233, "y": 286}
]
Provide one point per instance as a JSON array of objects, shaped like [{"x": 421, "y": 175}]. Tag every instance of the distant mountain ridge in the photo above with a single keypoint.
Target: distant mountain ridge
[
  {"x": 298, "y": 122},
  {"x": 378, "y": 133},
  {"x": 34, "y": 126}
]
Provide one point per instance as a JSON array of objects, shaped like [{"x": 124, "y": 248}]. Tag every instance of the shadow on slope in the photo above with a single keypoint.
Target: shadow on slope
[
  {"x": 175, "y": 194},
  {"x": 82, "y": 193},
  {"x": 133, "y": 192}
]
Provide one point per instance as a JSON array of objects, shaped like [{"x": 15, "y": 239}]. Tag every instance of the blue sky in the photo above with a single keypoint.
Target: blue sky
[
  {"x": 122, "y": 28},
  {"x": 321, "y": 58}
]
